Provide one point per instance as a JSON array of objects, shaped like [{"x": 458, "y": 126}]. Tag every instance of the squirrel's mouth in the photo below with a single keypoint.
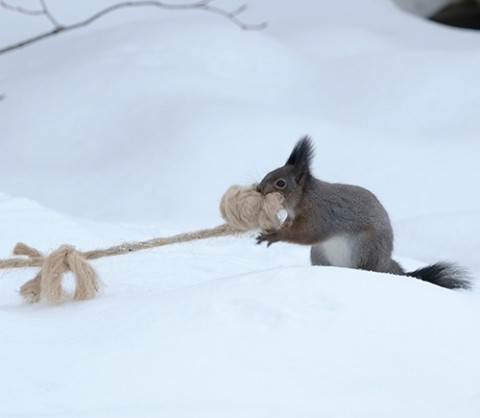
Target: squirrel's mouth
[{"x": 264, "y": 189}]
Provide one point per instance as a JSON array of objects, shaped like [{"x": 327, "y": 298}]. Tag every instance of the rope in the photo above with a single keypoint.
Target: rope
[{"x": 242, "y": 208}]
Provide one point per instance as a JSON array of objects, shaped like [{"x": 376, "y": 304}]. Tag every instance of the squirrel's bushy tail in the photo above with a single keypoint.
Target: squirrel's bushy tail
[{"x": 447, "y": 275}]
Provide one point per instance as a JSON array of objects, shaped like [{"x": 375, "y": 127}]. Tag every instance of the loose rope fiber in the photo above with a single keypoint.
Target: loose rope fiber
[{"x": 243, "y": 209}]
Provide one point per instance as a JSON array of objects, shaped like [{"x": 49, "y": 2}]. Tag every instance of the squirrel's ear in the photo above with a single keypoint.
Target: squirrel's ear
[{"x": 301, "y": 157}]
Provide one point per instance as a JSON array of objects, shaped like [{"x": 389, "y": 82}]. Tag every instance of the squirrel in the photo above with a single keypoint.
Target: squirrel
[{"x": 345, "y": 225}]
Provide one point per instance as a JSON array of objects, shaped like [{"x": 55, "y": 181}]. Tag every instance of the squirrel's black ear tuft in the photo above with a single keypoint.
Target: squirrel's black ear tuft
[{"x": 301, "y": 156}]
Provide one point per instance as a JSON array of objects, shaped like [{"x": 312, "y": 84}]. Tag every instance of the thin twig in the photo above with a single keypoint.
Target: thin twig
[
  {"x": 21, "y": 10},
  {"x": 232, "y": 16},
  {"x": 199, "y": 5},
  {"x": 49, "y": 15},
  {"x": 239, "y": 10}
]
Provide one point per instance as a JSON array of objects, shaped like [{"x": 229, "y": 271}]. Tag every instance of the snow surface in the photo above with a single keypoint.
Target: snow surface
[{"x": 134, "y": 127}]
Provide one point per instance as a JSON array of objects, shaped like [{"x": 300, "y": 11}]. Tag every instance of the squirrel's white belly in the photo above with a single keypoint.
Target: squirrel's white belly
[{"x": 338, "y": 251}]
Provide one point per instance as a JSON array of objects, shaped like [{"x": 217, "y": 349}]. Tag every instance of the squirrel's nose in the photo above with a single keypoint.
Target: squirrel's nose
[{"x": 259, "y": 188}]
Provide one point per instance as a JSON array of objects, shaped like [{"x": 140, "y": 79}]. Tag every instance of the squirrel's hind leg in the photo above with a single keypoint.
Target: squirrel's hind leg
[{"x": 373, "y": 251}]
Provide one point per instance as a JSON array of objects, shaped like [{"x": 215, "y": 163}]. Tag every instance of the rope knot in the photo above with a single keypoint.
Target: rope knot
[
  {"x": 244, "y": 208},
  {"x": 47, "y": 284}
]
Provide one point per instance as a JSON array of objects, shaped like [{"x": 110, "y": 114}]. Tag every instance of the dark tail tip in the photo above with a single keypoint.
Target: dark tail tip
[{"x": 446, "y": 275}]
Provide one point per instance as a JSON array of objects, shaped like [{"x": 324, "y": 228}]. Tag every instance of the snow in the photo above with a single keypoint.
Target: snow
[{"x": 133, "y": 128}]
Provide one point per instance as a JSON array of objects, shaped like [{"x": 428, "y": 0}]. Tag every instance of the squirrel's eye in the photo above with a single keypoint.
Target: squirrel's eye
[{"x": 280, "y": 183}]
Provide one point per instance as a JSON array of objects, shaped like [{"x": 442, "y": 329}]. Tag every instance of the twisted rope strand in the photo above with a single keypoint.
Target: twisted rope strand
[{"x": 243, "y": 209}]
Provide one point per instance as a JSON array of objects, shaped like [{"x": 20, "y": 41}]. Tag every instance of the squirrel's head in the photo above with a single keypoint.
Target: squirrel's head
[{"x": 290, "y": 179}]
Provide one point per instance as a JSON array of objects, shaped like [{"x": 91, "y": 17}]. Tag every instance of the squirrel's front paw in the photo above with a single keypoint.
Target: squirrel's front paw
[{"x": 268, "y": 237}]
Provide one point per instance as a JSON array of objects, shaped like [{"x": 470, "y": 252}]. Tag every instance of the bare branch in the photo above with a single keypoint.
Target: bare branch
[
  {"x": 31, "y": 40},
  {"x": 43, "y": 12},
  {"x": 239, "y": 10},
  {"x": 232, "y": 16},
  {"x": 198, "y": 5},
  {"x": 49, "y": 16},
  {"x": 21, "y": 10}
]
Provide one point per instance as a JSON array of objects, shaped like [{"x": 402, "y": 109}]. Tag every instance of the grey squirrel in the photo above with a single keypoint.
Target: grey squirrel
[{"x": 345, "y": 225}]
